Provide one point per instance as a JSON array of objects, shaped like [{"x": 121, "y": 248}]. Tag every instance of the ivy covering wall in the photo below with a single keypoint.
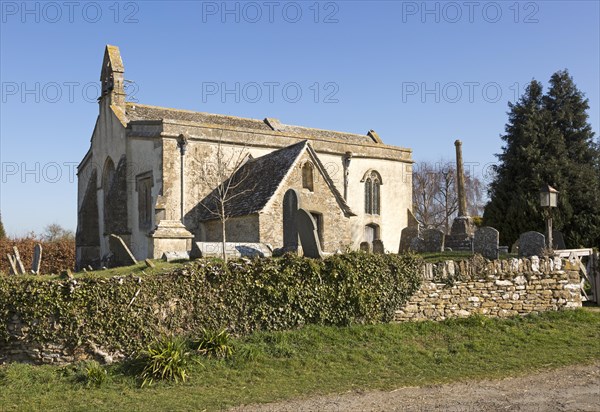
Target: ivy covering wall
[{"x": 122, "y": 314}]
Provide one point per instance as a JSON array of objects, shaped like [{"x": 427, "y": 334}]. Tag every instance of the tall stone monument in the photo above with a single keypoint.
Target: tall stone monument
[{"x": 463, "y": 229}]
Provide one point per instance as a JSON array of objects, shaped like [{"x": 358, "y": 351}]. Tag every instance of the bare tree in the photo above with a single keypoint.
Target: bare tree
[
  {"x": 226, "y": 173},
  {"x": 55, "y": 232},
  {"x": 435, "y": 197}
]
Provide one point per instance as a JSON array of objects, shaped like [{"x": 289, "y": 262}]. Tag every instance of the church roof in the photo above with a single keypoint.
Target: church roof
[
  {"x": 141, "y": 112},
  {"x": 259, "y": 180}
]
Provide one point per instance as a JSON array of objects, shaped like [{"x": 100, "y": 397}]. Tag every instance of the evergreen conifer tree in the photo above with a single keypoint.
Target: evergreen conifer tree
[{"x": 547, "y": 141}]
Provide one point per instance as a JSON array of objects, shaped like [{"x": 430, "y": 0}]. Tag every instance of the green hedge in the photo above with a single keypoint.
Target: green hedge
[{"x": 125, "y": 313}]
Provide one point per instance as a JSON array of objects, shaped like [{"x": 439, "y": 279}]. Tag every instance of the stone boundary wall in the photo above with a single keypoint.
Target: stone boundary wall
[{"x": 499, "y": 288}]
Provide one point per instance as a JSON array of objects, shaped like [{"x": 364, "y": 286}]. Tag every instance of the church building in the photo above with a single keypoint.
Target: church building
[{"x": 151, "y": 174}]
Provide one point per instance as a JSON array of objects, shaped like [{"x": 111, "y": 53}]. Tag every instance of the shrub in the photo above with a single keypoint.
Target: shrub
[
  {"x": 56, "y": 255},
  {"x": 167, "y": 359},
  {"x": 242, "y": 296},
  {"x": 214, "y": 343}
]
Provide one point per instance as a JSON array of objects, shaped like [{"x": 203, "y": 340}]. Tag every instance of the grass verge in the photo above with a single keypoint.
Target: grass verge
[{"x": 319, "y": 360}]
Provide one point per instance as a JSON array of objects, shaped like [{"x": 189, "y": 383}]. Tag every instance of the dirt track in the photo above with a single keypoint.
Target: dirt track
[{"x": 573, "y": 388}]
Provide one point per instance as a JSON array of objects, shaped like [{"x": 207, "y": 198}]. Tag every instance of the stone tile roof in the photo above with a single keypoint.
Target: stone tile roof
[
  {"x": 137, "y": 112},
  {"x": 259, "y": 180}
]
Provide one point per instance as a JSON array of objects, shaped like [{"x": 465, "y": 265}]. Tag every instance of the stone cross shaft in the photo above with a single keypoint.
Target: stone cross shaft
[{"x": 460, "y": 180}]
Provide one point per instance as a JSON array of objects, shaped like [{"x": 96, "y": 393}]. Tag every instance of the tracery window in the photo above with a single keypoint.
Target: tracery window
[{"x": 372, "y": 182}]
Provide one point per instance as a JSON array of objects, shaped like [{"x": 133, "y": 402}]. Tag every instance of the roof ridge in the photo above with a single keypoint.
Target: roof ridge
[
  {"x": 191, "y": 111},
  {"x": 286, "y": 128}
]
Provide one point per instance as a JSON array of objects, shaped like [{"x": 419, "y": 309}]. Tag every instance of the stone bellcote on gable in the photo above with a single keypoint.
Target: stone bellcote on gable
[{"x": 112, "y": 78}]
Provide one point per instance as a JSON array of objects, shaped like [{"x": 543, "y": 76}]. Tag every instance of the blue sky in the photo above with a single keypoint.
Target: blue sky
[{"x": 421, "y": 74}]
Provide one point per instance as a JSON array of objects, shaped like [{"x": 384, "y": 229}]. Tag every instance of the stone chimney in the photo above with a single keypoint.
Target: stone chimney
[{"x": 111, "y": 78}]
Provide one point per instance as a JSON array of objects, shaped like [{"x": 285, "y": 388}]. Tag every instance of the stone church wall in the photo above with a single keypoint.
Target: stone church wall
[{"x": 336, "y": 227}]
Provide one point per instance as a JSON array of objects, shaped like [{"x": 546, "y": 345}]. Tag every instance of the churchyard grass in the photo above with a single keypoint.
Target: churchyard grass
[
  {"x": 436, "y": 257},
  {"x": 318, "y": 360}
]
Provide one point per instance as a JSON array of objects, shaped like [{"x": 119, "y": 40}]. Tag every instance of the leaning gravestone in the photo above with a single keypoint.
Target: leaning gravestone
[
  {"x": 532, "y": 244},
  {"x": 486, "y": 242},
  {"x": 378, "y": 246},
  {"x": 18, "y": 260},
  {"x": 13, "y": 264},
  {"x": 37, "y": 259},
  {"x": 434, "y": 240},
  {"x": 309, "y": 238},
  {"x": 406, "y": 237},
  {"x": 122, "y": 256},
  {"x": 558, "y": 240}
]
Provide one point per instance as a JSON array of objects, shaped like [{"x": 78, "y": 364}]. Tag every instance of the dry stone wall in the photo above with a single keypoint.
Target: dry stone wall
[{"x": 496, "y": 289}]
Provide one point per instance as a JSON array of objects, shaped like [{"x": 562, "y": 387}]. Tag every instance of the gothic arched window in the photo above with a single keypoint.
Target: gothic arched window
[
  {"x": 307, "y": 176},
  {"x": 372, "y": 182}
]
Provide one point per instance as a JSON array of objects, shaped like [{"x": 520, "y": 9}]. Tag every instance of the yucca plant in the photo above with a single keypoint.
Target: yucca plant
[
  {"x": 215, "y": 343},
  {"x": 95, "y": 374},
  {"x": 167, "y": 358}
]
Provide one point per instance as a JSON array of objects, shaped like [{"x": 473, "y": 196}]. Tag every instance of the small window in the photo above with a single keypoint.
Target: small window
[
  {"x": 144, "y": 183},
  {"x": 307, "y": 176},
  {"x": 372, "y": 193}
]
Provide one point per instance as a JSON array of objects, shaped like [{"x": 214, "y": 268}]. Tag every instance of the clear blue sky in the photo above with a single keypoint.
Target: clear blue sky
[{"x": 371, "y": 61}]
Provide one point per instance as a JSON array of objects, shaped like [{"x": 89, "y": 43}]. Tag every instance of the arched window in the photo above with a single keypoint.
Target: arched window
[
  {"x": 373, "y": 183},
  {"x": 307, "y": 176}
]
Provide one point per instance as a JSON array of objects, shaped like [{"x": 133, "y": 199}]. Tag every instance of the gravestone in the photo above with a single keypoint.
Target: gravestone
[
  {"x": 514, "y": 249},
  {"x": 309, "y": 237},
  {"x": 434, "y": 240},
  {"x": 37, "y": 259},
  {"x": 18, "y": 260},
  {"x": 558, "y": 240},
  {"x": 175, "y": 256},
  {"x": 233, "y": 250},
  {"x": 290, "y": 227},
  {"x": 122, "y": 256},
  {"x": 417, "y": 244},
  {"x": 149, "y": 264},
  {"x": 378, "y": 246},
  {"x": 412, "y": 220},
  {"x": 365, "y": 247},
  {"x": 486, "y": 242},
  {"x": 13, "y": 264},
  {"x": 532, "y": 244},
  {"x": 406, "y": 237}
]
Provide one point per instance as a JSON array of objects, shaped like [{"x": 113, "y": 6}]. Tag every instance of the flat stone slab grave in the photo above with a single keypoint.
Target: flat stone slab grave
[
  {"x": 232, "y": 249},
  {"x": 175, "y": 256}
]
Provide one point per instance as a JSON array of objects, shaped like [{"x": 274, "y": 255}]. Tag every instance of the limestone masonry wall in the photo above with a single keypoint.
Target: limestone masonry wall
[{"x": 497, "y": 289}]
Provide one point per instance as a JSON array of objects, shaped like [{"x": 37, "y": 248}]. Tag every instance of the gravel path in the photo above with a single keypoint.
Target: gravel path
[{"x": 573, "y": 388}]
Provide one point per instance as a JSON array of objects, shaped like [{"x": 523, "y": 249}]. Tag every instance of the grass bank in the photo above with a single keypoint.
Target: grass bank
[{"x": 319, "y": 360}]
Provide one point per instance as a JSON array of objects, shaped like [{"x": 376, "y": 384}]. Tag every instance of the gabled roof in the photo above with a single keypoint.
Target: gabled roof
[
  {"x": 260, "y": 178},
  {"x": 142, "y": 112}
]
